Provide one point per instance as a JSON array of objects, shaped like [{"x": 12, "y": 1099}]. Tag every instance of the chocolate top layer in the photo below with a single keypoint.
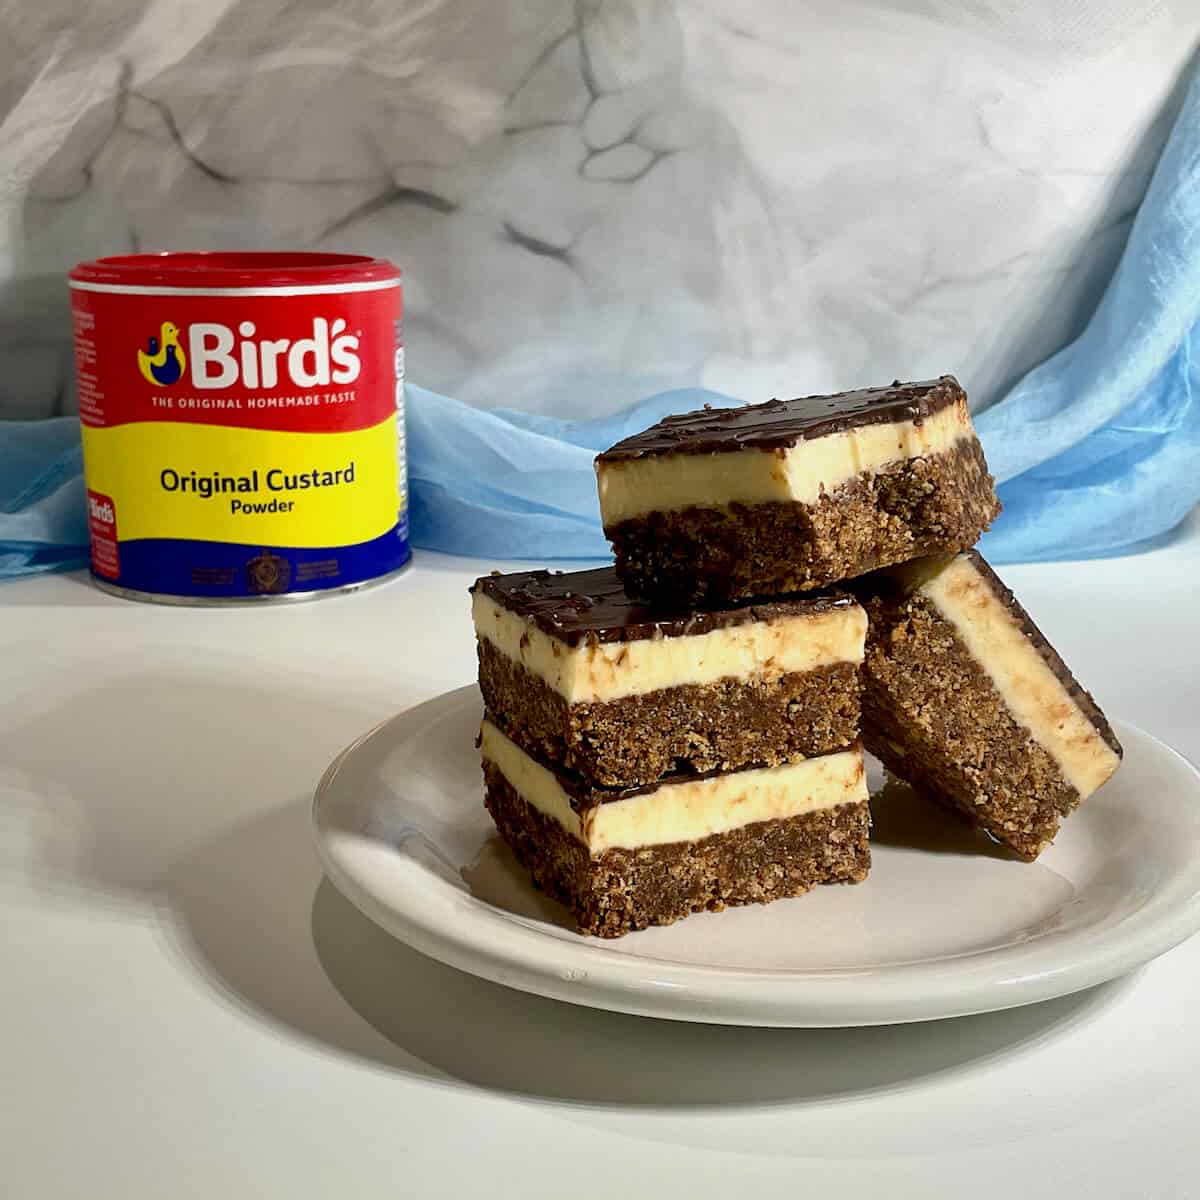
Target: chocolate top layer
[
  {"x": 580, "y": 606},
  {"x": 894, "y": 584},
  {"x": 781, "y": 423},
  {"x": 584, "y": 794}
]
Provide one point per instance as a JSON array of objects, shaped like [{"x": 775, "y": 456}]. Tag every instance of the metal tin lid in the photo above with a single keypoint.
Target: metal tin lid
[{"x": 234, "y": 269}]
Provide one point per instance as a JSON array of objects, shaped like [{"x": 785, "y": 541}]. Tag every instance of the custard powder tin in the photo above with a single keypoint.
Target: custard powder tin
[{"x": 243, "y": 423}]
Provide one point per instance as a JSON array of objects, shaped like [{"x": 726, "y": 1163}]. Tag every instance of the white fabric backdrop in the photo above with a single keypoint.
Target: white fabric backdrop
[{"x": 594, "y": 200}]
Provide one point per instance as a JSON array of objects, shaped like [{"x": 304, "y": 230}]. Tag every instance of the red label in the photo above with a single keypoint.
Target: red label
[
  {"x": 102, "y": 526},
  {"x": 314, "y": 363}
]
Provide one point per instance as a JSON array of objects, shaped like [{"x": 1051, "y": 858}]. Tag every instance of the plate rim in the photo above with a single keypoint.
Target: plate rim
[{"x": 515, "y": 952}]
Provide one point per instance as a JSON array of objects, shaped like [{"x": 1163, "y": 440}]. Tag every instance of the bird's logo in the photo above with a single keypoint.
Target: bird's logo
[{"x": 164, "y": 364}]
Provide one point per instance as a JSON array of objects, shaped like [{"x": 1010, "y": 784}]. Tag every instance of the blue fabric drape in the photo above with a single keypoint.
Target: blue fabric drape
[{"x": 1097, "y": 450}]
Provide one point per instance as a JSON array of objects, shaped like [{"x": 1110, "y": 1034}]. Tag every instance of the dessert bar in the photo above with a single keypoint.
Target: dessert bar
[
  {"x": 780, "y": 497},
  {"x": 582, "y": 676},
  {"x": 966, "y": 700},
  {"x": 624, "y": 859}
]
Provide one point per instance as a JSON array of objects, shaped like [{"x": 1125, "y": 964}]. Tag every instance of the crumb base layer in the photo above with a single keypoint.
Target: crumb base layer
[
  {"x": 637, "y": 739},
  {"x": 624, "y": 890}
]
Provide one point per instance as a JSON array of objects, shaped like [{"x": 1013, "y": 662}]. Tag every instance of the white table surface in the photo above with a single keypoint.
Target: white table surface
[{"x": 189, "y": 1011}]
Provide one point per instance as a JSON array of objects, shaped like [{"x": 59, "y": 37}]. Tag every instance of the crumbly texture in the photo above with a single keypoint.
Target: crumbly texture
[
  {"x": 914, "y": 507},
  {"x": 932, "y": 715},
  {"x": 623, "y": 890},
  {"x": 727, "y": 725}
]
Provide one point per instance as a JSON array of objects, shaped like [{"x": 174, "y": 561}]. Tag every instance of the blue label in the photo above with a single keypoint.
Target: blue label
[{"x": 174, "y": 567}]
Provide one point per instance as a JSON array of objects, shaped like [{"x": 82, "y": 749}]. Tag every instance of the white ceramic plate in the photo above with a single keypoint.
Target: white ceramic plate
[{"x": 946, "y": 924}]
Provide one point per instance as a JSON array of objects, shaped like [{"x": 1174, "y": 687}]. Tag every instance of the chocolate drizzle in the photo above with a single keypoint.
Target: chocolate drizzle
[
  {"x": 779, "y": 424},
  {"x": 592, "y": 606}
]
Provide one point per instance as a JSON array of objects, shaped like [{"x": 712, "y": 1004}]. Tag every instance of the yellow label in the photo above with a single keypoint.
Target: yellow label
[{"x": 218, "y": 484}]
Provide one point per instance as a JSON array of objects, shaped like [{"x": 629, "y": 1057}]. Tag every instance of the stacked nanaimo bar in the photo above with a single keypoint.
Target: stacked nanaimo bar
[
  {"x": 966, "y": 699},
  {"x": 794, "y": 494},
  {"x": 645, "y": 764}
]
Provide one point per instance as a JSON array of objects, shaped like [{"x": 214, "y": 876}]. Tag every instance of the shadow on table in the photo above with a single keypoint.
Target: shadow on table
[
  {"x": 493, "y": 1037},
  {"x": 900, "y": 817},
  {"x": 123, "y": 778},
  {"x": 315, "y": 966}
]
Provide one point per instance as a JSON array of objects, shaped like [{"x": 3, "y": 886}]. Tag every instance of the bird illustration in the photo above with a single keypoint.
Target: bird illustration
[{"x": 165, "y": 362}]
